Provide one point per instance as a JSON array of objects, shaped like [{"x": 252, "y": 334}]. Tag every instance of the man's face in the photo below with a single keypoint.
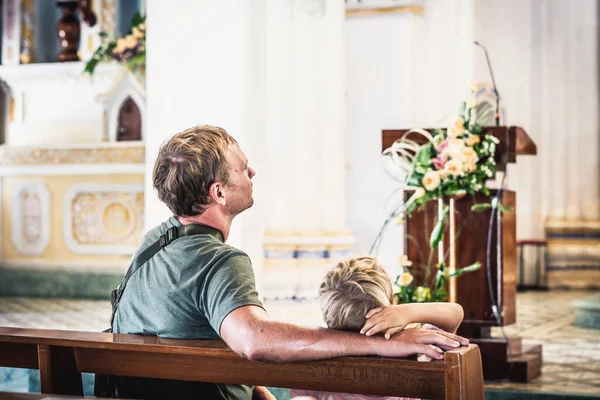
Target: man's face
[{"x": 239, "y": 187}]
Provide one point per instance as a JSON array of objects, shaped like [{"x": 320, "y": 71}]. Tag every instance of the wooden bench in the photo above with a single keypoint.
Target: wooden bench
[{"x": 61, "y": 357}]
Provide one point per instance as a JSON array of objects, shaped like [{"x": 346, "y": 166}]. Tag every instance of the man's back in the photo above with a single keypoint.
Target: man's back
[{"x": 185, "y": 291}]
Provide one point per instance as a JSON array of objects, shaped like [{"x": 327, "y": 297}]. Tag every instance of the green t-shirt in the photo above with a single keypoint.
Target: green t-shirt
[{"x": 185, "y": 292}]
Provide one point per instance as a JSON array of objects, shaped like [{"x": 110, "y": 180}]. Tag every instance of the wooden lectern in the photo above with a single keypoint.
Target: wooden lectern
[{"x": 501, "y": 360}]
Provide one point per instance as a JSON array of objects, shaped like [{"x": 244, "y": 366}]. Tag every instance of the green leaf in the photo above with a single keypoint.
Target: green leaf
[
  {"x": 504, "y": 208},
  {"x": 473, "y": 267},
  {"x": 412, "y": 180},
  {"x": 480, "y": 207},
  {"x": 439, "y": 295},
  {"x": 424, "y": 155},
  {"x": 438, "y": 231},
  {"x": 137, "y": 19}
]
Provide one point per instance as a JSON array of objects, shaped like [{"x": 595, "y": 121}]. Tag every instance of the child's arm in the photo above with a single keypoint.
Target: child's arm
[{"x": 393, "y": 319}]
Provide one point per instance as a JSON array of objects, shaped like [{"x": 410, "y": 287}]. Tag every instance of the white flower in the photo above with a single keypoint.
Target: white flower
[
  {"x": 454, "y": 168},
  {"x": 456, "y": 128},
  {"x": 454, "y": 148},
  {"x": 405, "y": 279},
  {"x": 404, "y": 261},
  {"x": 431, "y": 180}
]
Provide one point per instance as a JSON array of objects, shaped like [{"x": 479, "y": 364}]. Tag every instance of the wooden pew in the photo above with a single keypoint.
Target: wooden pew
[{"x": 61, "y": 356}]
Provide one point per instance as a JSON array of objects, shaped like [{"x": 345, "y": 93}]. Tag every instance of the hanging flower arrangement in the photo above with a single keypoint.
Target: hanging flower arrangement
[{"x": 129, "y": 49}]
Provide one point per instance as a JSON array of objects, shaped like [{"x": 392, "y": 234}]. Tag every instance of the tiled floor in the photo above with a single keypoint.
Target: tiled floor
[{"x": 571, "y": 354}]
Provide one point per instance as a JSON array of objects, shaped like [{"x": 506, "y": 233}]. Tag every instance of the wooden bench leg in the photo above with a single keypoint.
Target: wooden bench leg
[{"x": 58, "y": 371}]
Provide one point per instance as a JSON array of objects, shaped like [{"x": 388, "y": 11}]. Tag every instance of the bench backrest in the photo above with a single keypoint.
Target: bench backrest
[{"x": 61, "y": 356}]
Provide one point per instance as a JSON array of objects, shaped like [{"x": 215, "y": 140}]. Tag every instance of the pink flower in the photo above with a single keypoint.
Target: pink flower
[
  {"x": 443, "y": 146},
  {"x": 439, "y": 162}
]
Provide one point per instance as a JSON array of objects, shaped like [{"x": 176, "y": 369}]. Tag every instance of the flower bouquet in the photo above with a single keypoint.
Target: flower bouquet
[
  {"x": 129, "y": 50},
  {"x": 452, "y": 163}
]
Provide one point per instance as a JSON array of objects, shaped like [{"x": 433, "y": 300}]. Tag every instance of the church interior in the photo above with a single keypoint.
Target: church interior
[{"x": 333, "y": 102}]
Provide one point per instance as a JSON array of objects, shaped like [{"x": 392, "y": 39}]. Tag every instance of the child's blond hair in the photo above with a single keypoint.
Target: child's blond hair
[{"x": 351, "y": 289}]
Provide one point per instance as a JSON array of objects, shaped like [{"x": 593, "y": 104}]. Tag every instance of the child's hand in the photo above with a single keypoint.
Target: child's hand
[{"x": 384, "y": 319}]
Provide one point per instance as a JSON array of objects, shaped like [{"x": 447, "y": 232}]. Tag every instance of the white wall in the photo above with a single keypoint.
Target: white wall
[{"x": 377, "y": 70}]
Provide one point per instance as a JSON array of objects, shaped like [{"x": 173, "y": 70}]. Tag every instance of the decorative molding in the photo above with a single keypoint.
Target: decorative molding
[
  {"x": 341, "y": 238},
  {"x": 364, "y": 12},
  {"x": 72, "y": 266},
  {"x": 367, "y": 8},
  {"x": 31, "y": 218},
  {"x": 108, "y": 19},
  {"x": 114, "y": 154},
  {"x": 298, "y": 246},
  {"x": 73, "y": 170},
  {"x": 31, "y": 75},
  {"x": 100, "y": 219}
]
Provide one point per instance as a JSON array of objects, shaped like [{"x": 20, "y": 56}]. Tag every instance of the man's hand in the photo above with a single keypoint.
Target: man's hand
[
  {"x": 262, "y": 393},
  {"x": 420, "y": 341}
]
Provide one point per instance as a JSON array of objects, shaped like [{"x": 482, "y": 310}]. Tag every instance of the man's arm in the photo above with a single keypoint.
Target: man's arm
[
  {"x": 250, "y": 332},
  {"x": 393, "y": 319}
]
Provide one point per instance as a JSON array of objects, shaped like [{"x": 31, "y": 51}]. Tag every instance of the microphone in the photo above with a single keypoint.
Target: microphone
[{"x": 489, "y": 64}]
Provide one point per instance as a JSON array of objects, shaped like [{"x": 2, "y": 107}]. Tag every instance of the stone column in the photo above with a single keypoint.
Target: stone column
[
  {"x": 204, "y": 66},
  {"x": 306, "y": 228}
]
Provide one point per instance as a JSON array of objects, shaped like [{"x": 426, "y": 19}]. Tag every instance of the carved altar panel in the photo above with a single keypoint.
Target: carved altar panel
[
  {"x": 31, "y": 218},
  {"x": 104, "y": 219}
]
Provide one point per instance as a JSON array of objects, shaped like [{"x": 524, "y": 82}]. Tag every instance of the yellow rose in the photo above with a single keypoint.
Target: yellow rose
[
  {"x": 454, "y": 167},
  {"x": 469, "y": 167},
  {"x": 120, "y": 47},
  {"x": 142, "y": 26},
  {"x": 468, "y": 155},
  {"x": 130, "y": 41},
  {"x": 471, "y": 140},
  {"x": 405, "y": 279},
  {"x": 404, "y": 261},
  {"x": 138, "y": 33},
  {"x": 456, "y": 128},
  {"x": 431, "y": 180}
]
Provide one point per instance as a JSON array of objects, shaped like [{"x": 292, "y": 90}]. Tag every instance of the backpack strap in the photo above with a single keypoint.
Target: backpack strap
[{"x": 165, "y": 239}]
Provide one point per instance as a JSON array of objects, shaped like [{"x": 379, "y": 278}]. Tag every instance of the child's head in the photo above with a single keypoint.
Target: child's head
[{"x": 351, "y": 289}]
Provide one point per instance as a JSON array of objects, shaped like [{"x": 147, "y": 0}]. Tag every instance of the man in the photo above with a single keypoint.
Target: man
[{"x": 199, "y": 287}]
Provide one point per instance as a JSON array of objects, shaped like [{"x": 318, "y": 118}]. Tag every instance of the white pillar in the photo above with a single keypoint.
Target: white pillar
[
  {"x": 205, "y": 66},
  {"x": 305, "y": 138}
]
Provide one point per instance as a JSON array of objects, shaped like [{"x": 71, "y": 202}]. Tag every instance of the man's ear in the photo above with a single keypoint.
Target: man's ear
[{"x": 217, "y": 193}]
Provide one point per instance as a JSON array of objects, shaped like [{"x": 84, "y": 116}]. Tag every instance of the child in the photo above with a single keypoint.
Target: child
[{"x": 357, "y": 295}]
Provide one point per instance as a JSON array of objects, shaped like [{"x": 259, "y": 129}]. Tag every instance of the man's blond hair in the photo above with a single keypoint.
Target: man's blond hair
[{"x": 351, "y": 289}]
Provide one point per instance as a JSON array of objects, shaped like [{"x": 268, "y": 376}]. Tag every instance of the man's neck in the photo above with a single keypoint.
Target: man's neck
[{"x": 210, "y": 217}]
